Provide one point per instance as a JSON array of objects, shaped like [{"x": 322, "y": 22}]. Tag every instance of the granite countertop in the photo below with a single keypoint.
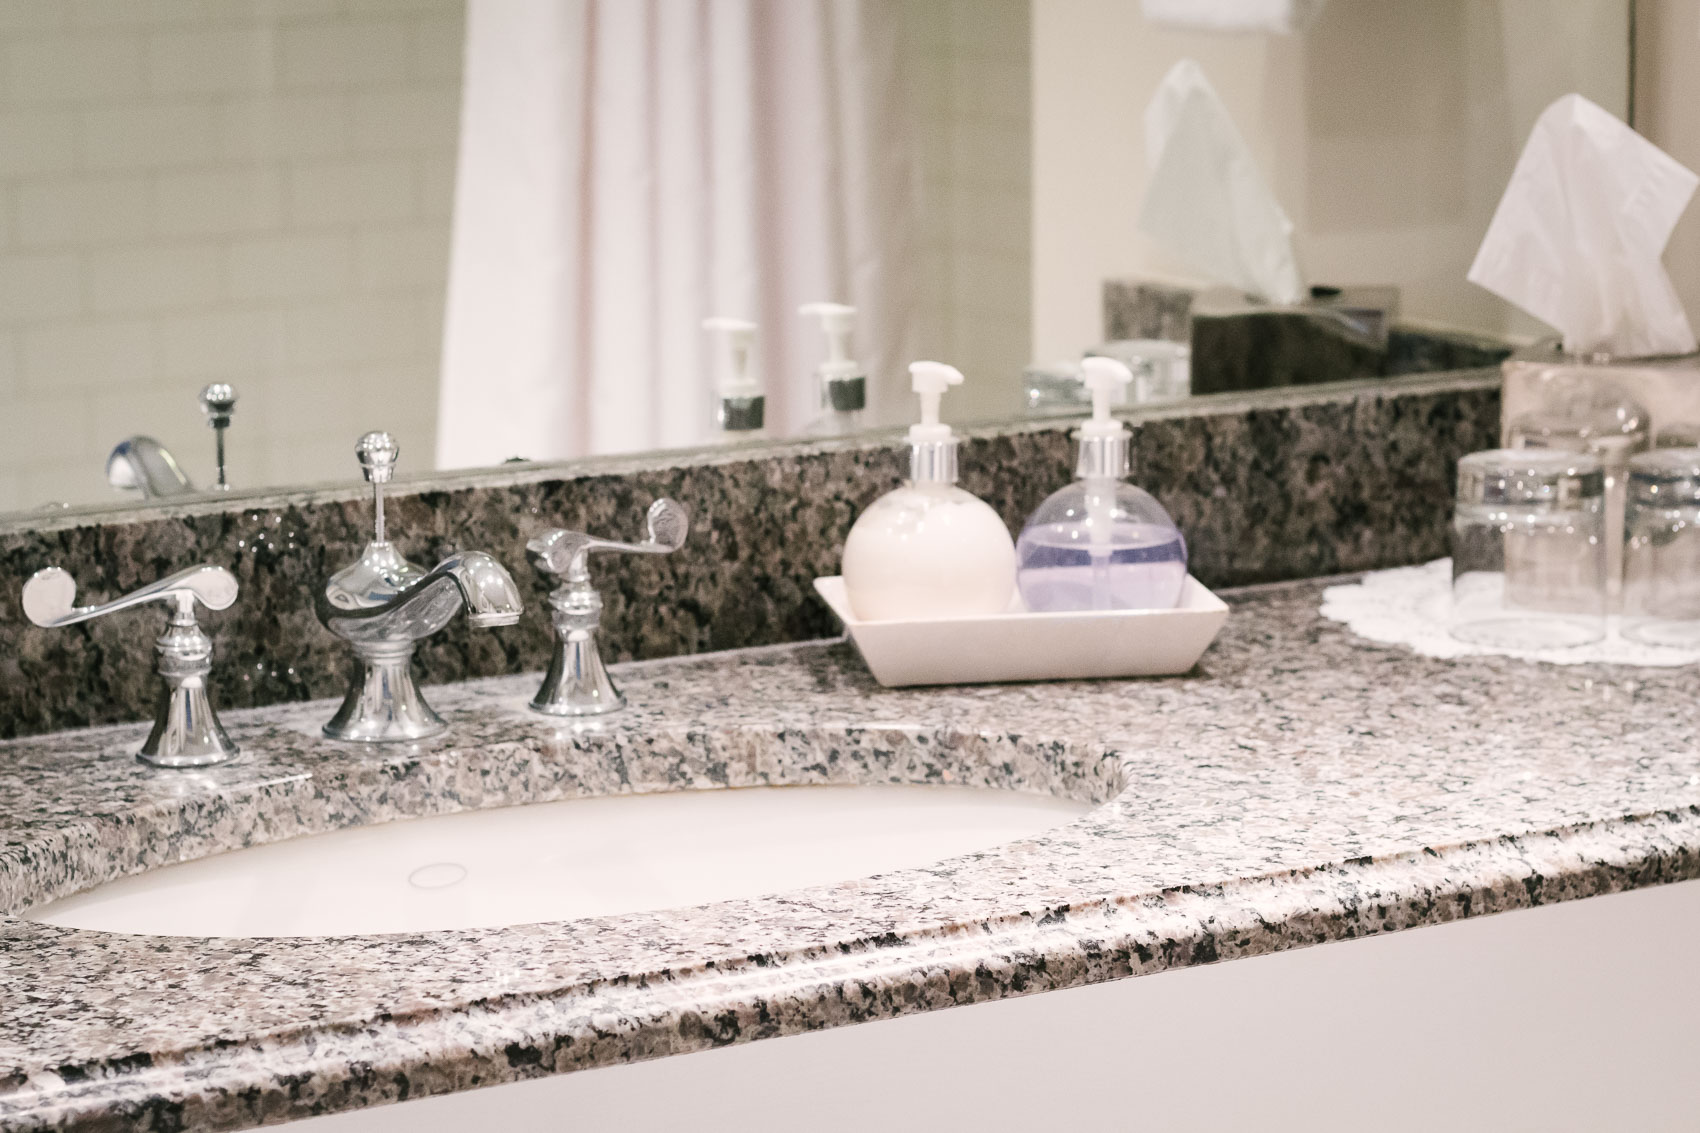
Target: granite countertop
[{"x": 1300, "y": 786}]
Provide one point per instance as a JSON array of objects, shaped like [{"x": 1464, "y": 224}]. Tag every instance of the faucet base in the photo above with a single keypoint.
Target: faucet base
[
  {"x": 577, "y": 683},
  {"x": 383, "y": 704},
  {"x": 186, "y": 731}
]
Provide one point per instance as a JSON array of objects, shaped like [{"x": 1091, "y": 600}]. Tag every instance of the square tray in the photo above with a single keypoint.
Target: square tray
[{"x": 1020, "y": 645}]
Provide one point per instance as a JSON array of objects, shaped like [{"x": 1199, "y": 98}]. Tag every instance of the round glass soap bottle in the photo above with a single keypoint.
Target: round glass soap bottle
[
  {"x": 1101, "y": 543},
  {"x": 929, "y": 549}
]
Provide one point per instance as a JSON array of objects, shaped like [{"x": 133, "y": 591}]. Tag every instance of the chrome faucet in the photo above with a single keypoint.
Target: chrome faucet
[
  {"x": 142, "y": 464},
  {"x": 383, "y": 606},
  {"x": 577, "y": 683},
  {"x": 186, "y": 731}
]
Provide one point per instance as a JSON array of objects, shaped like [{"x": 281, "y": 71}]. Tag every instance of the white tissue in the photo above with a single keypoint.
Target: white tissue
[
  {"x": 1283, "y": 17},
  {"x": 1577, "y": 238},
  {"x": 1205, "y": 200}
]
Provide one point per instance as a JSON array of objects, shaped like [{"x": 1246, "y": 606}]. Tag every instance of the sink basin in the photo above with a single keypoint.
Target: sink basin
[{"x": 560, "y": 860}]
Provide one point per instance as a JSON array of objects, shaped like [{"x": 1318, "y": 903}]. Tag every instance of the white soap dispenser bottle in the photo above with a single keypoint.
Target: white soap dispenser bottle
[
  {"x": 742, "y": 405},
  {"x": 929, "y": 549},
  {"x": 1101, "y": 543},
  {"x": 842, "y": 383}
]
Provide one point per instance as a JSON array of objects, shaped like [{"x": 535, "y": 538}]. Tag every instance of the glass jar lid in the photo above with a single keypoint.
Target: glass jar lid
[
  {"x": 1531, "y": 477},
  {"x": 1665, "y": 477},
  {"x": 1583, "y": 417}
]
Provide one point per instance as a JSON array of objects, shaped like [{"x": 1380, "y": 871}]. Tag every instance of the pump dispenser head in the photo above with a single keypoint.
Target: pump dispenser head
[
  {"x": 932, "y": 446},
  {"x": 742, "y": 405},
  {"x": 844, "y": 384},
  {"x": 1104, "y": 447}
]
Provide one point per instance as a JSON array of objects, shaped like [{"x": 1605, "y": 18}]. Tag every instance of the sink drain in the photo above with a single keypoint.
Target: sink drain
[{"x": 437, "y": 875}]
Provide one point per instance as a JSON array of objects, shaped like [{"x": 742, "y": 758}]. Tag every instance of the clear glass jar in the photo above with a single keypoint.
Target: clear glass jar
[
  {"x": 1055, "y": 388},
  {"x": 1661, "y": 549},
  {"x": 1584, "y": 412},
  {"x": 1528, "y": 550},
  {"x": 1162, "y": 370}
]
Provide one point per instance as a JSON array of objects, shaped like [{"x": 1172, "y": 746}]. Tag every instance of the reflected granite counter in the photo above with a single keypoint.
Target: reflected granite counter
[{"x": 1300, "y": 786}]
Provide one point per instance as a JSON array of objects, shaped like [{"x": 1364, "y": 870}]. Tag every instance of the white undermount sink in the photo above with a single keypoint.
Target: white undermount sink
[{"x": 560, "y": 860}]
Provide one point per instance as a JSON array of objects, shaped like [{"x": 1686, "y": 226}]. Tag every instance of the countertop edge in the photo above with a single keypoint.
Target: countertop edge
[{"x": 661, "y": 1014}]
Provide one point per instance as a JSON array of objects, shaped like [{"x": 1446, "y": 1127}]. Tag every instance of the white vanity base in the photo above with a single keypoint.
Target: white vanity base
[{"x": 1579, "y": 1016}]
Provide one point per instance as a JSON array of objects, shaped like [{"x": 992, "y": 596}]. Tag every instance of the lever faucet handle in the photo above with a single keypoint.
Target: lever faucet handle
[
  {"x": 577, "y": 683},
  {"x": 186, "y": 731},
  {"x": 568, "y": 552},
  {"x": 49, "y": 594}
]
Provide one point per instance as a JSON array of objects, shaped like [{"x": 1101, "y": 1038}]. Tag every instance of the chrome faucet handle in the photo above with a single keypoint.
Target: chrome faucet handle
[
  {"x": 377, "y": 453},
  {"x": 186, "y": 731},
  {"x": 218, "y": 402},
  {"x": 577, "y": 683},
  {"x": 568, "y": 552},
  {"x": 380, "y": 572}
]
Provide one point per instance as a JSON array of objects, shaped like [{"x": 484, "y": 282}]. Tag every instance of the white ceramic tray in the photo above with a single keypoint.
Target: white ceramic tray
[{"x": 1020, "y": 645}]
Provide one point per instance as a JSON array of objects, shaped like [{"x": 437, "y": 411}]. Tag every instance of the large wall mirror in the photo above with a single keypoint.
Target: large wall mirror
[{"x": 495, "y": 228}]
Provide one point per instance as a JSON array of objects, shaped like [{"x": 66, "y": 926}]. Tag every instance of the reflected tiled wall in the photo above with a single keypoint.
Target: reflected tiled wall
[
  {"x": 971, "y": 62},
  {"x": 253, "y": 191},
  {"x": 259, "y": 192}
]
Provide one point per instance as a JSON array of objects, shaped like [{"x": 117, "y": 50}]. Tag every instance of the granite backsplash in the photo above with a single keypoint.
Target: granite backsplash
[{"x": 1277, "y": 486}]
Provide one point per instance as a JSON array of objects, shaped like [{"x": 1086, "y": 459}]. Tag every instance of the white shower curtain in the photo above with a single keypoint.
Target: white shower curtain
[{"x": 628, "y": 167}]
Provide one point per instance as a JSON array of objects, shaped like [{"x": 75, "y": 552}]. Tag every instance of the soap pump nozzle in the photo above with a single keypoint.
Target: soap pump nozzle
[
  {"x": 932, "y": 446},
  {"x": 742, "y": 404},
  {"x": 843, "y": 381},
  {"x": 1104, "y": 441}
]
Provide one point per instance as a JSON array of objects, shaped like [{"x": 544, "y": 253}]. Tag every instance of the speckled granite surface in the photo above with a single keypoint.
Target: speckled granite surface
[
  {"x": 1301, "y": 786},
  {"x": 1274, "y": 486}
]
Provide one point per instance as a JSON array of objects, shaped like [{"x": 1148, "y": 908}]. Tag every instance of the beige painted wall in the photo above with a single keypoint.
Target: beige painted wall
[
  {"x": 1387, "y": 132},
  {"x": 1667, "y": 110}
]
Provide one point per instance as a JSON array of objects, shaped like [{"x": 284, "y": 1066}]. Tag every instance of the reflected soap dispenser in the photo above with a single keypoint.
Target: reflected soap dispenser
[
  {"x": 841, "y": 381},
  {"x": 929, "y": 549},
  {"x": 742, "y": 406},
  {"x": 1101, "y": 543}
]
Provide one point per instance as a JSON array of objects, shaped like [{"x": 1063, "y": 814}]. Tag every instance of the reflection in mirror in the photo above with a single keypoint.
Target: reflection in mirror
[{"x": 495, "y": 230}]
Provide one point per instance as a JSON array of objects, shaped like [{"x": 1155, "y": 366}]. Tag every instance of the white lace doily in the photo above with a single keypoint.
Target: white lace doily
[{"x": 1408, "y": 606}]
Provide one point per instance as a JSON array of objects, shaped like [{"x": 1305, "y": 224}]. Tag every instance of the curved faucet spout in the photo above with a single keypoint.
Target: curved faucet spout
[
  {"x": 383, "y": 600},
  {"x": 142, "y": 464},
  {"x": 486, "y": 587}
]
